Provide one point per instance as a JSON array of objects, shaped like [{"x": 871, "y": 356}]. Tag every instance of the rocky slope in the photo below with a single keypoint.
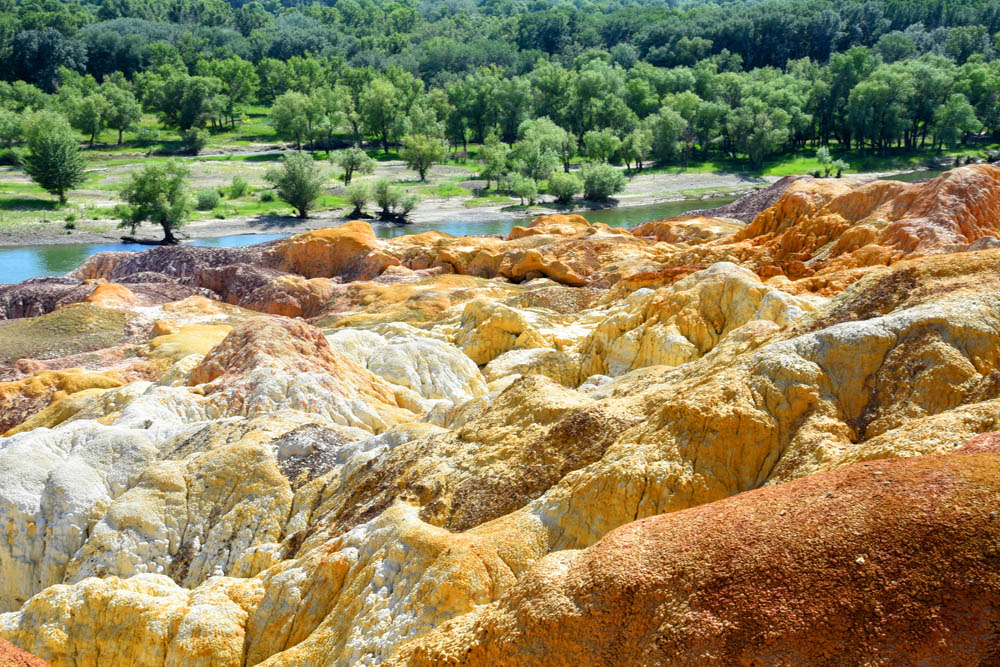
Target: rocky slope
[{"x": 746, "y": 439}]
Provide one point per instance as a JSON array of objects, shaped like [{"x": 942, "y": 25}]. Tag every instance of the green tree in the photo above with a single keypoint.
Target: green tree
[
  {"x": 667, "y": 127},
  {"x": 194, "y": 140},
  {"x": 554, "y": 89},
  {"x": 524, "y": 187},
  {"x": 964, "y": 41},
  {"x": 158, "y": 194},
  {"x": 636, "y": 147},
  {"x": 601, "y": 145},
  {"x": 513, "y": 99},
  {"x": 184, "y": 101},
  {"x": 877, "y": 108},
  {"x": 354, "y": 161},
  {"x": 326, "y": 114},
  {"x": 495, "y": 160},
  {"x": 550, "y": 137},
  {"x": 954, "y": 120},
  {"x": 533, "y": 159},
  {"x": 600, "y": 181},
  {"x": 476, "y": 98},
  {"x": 422, "y": 118},
  {"x": 238, "y": 82},
  {"x": 421, "y": 151},
  {"x": 896, "y": 45},
  {"x": 53, "y": 160},
  {"x": 299, "y": 181},
  {"x": 407, "y": 203},
  {"x": 380, "y": 109},
  {"x": 293, "y": 117},
  {"x": 757, "y": 129},
  {"x": 123, "y": 111},
  {"x": 89, "y": 115},
  {"x": 829, "y": 164},
  {"x": 10, "y": 127},
  {"x": 564, "y": 187}
]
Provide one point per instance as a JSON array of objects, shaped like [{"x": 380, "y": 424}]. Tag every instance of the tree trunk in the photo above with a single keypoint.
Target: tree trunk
[
  {"x": 168, "y": 236},
  {"x": 120, "y": 132}
]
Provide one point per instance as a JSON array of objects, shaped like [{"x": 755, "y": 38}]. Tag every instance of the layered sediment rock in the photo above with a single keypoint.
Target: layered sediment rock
[{"x": 747, "y": 439}]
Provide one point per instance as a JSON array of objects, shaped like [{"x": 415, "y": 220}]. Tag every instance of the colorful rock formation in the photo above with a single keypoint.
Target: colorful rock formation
[{"x": 764, "y": 434}]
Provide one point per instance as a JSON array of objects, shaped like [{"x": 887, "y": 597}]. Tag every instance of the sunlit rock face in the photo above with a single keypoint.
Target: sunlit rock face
[{"x": 762, "y": 434}]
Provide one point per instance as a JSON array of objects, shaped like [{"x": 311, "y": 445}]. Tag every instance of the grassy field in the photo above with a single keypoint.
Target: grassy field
[{"x": 805, "y": 162}]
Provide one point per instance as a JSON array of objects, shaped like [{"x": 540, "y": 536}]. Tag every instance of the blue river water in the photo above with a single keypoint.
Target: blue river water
[{"x": 19, "y": 263}]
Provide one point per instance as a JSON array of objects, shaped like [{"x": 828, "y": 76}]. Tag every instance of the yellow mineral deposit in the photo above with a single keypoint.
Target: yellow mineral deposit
[{"x": 730, "y": 440}]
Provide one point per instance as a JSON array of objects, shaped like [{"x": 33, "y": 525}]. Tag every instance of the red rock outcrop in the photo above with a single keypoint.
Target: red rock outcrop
[
  {"x": 12, "y": 656},
  {"x": 889, "y": 562},
  {"x": 824, "y": 227}
]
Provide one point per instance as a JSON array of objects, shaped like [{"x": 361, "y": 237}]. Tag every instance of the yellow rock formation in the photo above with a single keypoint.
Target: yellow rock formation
[
  {"x": 696, "y": 441},
  {"x": 350, "y": 251}
]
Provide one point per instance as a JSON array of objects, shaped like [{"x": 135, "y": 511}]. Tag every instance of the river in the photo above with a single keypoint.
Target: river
[{"x": 19, "y": 263}]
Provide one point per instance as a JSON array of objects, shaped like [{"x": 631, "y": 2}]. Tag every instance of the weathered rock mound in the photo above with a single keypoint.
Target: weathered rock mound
[
  {"x": 709, "y": 442},
  {"x": 817, "y": 569}
]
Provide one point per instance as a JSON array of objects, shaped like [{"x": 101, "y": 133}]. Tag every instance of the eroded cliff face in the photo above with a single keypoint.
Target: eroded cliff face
[{"x": 707, "y": 439}]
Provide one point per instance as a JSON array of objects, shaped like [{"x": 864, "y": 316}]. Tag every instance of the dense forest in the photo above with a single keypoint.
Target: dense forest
[{"x": 536, "y": 84}]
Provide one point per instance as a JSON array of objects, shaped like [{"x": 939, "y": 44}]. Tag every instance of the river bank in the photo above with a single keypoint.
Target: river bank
[{"x": 642, "y": 190}]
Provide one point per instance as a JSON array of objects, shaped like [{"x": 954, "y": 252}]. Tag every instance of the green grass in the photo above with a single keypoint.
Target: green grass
[
  {"x": 489, "y": 200},
  {"x": 445, "y": 190},
  {"x": 251, "y": 206},
  {"x": 805, "y": 162}
]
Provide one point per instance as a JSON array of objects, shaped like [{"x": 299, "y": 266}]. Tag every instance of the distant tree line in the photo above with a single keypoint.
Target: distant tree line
[
  {"x": 537, "y": 87},
  {"x": 438, "y": 41}
]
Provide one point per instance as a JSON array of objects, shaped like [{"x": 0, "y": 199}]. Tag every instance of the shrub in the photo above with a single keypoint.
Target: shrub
[
  {"x": 600, "y": 181},
  {"x": 298, "y": 181},
  {"x": 69, "y": 225},
  {"x": 147, "y": 135},
  {"x": 207, "y": 199},
  {"x": 353, "y": 161},
  {"x": 239, "y": 187},
  {"x": 194, "y": 140},
  {"x": 408, "y": 202},
  {"x": 386, "y": 195},
  {"x": 358, "y": 193},
  {"x": 564, "y": 186},
  {"x": 267, "y": 195},
  {"x": 524, "y": 188},
  {"x": 11, "y": 157}
]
